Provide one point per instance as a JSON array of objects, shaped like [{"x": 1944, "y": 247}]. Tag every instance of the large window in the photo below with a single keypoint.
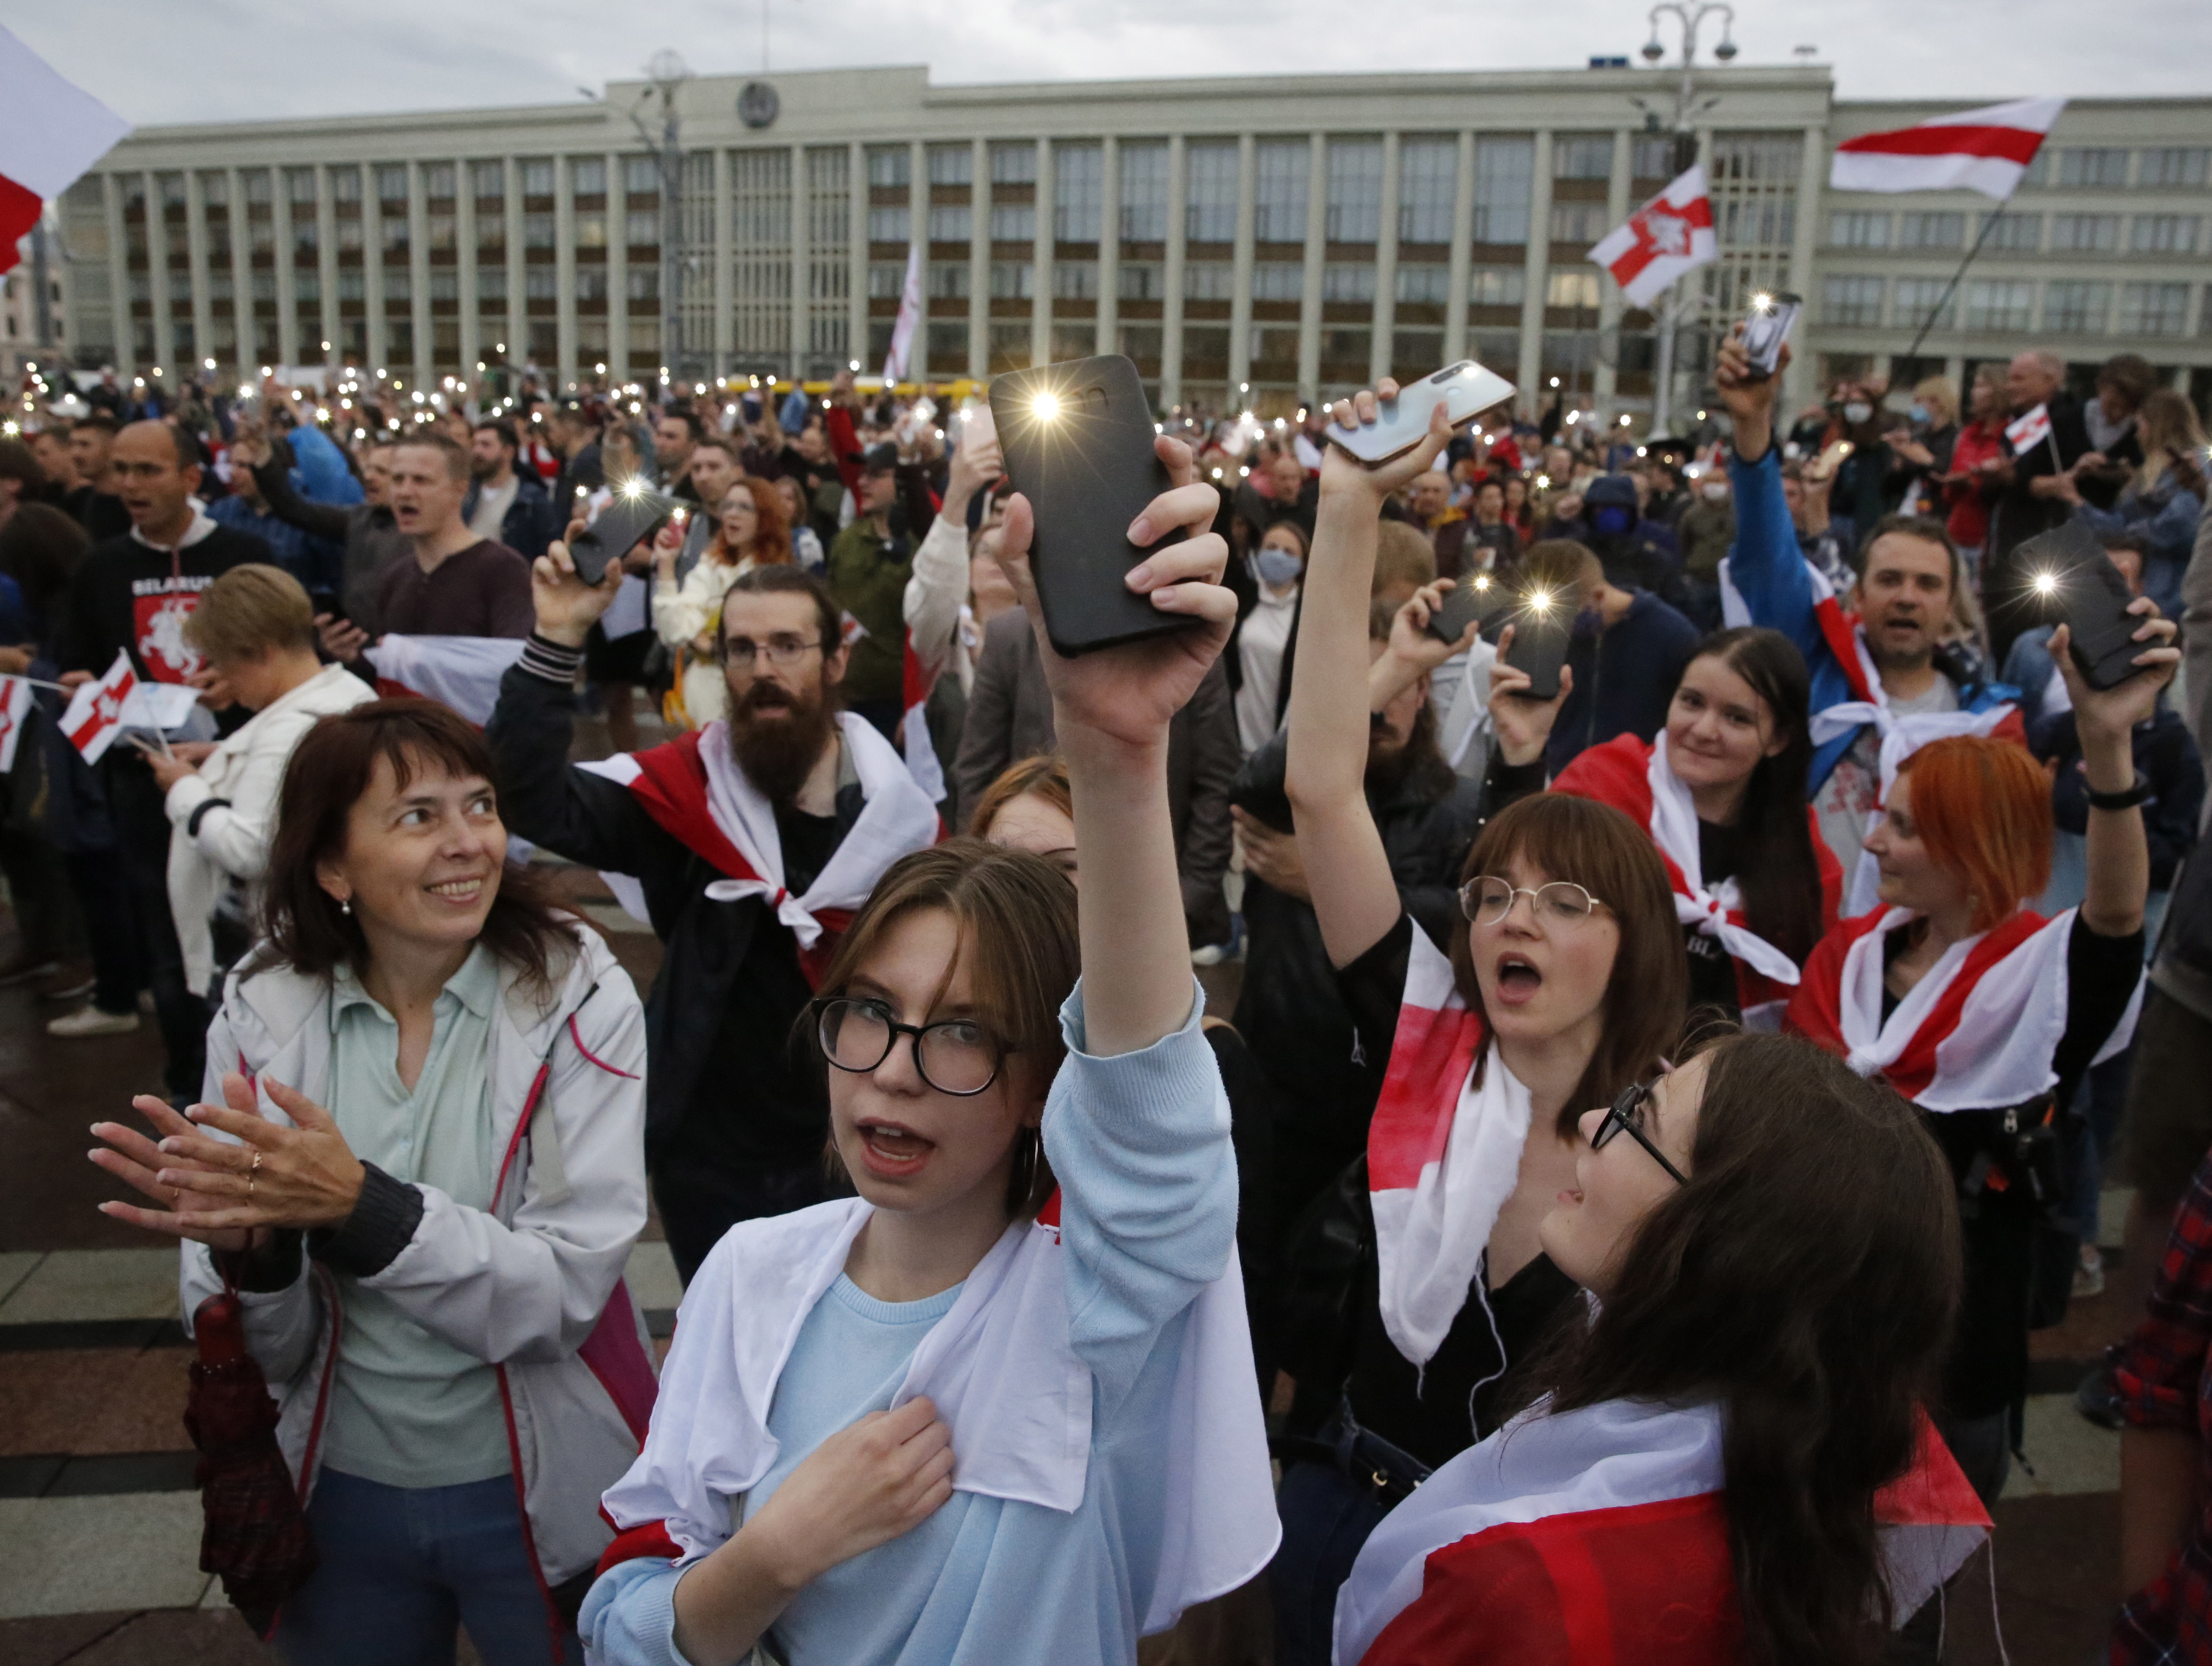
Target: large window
[
  {"x": 1013, "y": 223},
  {"x": 1145, "y": 193},
  {"x": 1926, "y": 230},
  {"x": 1014, "y": 164},
  {"x": 1210, "y": 211},
  {"x": 2000, "y": 303},
  {"x": 1853, "y": 302},
  {"x": 488, "y": 180},
  {"x": 2164, "y": 234},
  {"x": 948, "y": 280},
  {"x": 2098, "y": 169},
  {"x": 1917, "y": 298},
  {"x": 1579, "y": 223},
  {"x": 950, "y": 223},
  {"x": 2173, "y": 166},
  {"x": 1428, "y": 179},
  {"x": 2085, "y": 234},
  {"x": 1424, "y": 283},
  {"x": 1012, "y": 280},
  {"x": 2153, "y": 309},
  {"x": 889, "y": 225},
  {"x": 2016, "y": 233},
  {"x": 1278, "y": 280},
  {"x": 888, "y": 166},
  {"x": 952, "y": 165},
  {"x": 1496, "y": 286},
  {"x": 1354, "y": 208},
  {"x": 1504, "y": 179},
  {"x": 1207, "y": 280},
  {"x": 1348, "y": 280},
  {"x": 1279, "y": 207},
  {"x": 1574, "y": 287},
  {"x": 1079, "y": 192},
  {"x": 1855, "y": 230},
  {"x": 2077, "y": 306},
  {"x": 1583, "y": 156}
]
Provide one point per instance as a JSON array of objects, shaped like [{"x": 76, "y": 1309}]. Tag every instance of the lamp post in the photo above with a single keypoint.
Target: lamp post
[
  {"x": 1691, "y": 14},
  {"x": 669, "y": 72}
]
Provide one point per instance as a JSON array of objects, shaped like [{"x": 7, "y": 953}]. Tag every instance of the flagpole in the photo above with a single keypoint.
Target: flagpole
[{"x": 1951, "y": 288}]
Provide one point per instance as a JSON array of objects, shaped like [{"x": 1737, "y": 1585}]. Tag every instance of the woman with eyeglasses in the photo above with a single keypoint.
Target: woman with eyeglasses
[
  {"x": 1984, "y": 1015},
  {"x": 1419, "y": 1278},
  {"x": 1721, "y": 791},
  {"x": 1001, "y": 1406},
  {"x": 1707, "y": 1466}
]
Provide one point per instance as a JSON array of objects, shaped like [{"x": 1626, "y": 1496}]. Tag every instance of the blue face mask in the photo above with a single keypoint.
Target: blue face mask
[
  {"x": 1612, "y": 520},
  {"x": 1276, "y": 568},
  {"x": 1919, "y": 414}
]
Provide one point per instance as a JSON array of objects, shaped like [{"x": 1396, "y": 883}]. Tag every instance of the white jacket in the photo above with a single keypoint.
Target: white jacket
[
  {"x": 221, "y": 818},
  {"x": 533, "y": 1287}
]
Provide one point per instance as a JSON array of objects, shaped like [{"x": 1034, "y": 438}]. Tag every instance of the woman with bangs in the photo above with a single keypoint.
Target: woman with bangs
[
  {"x": 750, "y": 530},
  {"x": 1564, "y": 986},
  {"x": 1001, "y": 1406},
  {"x": 1984, "y": 1015}
]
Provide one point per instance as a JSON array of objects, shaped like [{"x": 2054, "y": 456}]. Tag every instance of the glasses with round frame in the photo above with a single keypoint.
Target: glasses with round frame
[
  {"x": 1486, "y": 900},
  {"x": 957, "y": 1056},
  {"x": 1627, "y": 1116},
  {"x": 782, "y": 652}
]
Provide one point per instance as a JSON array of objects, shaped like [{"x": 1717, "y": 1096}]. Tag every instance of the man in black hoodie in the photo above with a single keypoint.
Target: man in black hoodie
[{"x": 134, "y": 593}]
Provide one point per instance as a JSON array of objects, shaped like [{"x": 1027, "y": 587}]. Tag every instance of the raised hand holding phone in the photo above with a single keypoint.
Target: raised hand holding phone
[
  {"x": 566, "y": 607},
  {"x": 1521, "y": 719}
]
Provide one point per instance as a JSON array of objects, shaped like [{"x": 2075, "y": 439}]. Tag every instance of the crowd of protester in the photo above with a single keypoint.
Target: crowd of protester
[{"x": 1825, "y": 876}]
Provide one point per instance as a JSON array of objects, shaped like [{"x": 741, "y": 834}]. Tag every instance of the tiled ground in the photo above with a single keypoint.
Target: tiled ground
[{"x": 99, "y": 1524}]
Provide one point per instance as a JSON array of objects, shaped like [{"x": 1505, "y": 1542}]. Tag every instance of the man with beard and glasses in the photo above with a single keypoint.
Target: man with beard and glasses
[
  {"x": 747, "y": 844},
  {"x": 1289, "y": 1012},
  {"x": 1888, "y": 671}
]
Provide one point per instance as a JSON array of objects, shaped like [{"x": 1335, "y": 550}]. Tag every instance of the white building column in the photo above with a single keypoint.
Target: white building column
[
  {"x": 802, "y": 231},
  {"x": 856, "y": 273},
  {"x": 464, "y": 275},
  {"x": 562, "y": 370},
  {"x": 372, "y": 273},
  {"x": 1310, "y": 285},
  {"x": 979, "y": 260},
  {"x": 617, "y": 278},
  {"x": 517, "y": 282},
  {"x": 1171, "y": 276},
  {"x": 1109, "y": 246},
  {"x": 418, "y": 277},
  {"x": 279, "y": 222},
  {"x": 1605, "y": 379},
  {"x": 196, "y": 255},
  {"x": 1386, "y": 267},
  {"x": 326, "y": 273},
  {"x": 1240, "y": 283},
  {"x": 241, "y": 274},
  {"x": 1798, "y": 382},
  {"x": 1462, "y": 253},
  {"x": 917, "y": 208},
  {"x": 1535, "y": 275},
  {"x": 1040, "y": 278}
]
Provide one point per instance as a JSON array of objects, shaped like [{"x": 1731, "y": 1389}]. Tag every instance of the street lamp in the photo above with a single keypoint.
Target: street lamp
[
  {"x": 668, "y": 72},
  {"x": 1691, "y": 14}
]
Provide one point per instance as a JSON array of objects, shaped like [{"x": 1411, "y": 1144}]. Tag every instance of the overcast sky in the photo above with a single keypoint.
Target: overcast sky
[{"x": 158, "y": 61}]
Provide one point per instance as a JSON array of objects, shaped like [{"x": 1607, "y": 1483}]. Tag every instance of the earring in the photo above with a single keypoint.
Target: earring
[{"x": 345, "y": 905}]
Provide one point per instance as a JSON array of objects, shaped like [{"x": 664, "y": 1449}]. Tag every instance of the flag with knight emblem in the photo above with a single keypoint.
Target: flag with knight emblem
[
  {"x": 1670, "y": 235},
  {"x": 95, "y": 716}
]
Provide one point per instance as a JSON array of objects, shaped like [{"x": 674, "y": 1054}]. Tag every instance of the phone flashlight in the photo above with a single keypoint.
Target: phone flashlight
[
  {"x": 1045, "y": 407},
  {"x": 1482, "y": 582},
  {"x": 1539, "y": 601},
  {"x": 2045, "y": 583},
  {"x": 1762, "y": 302}
]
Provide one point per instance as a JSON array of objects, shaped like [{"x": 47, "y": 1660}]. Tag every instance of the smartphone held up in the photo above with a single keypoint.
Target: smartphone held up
[
  {"x": 633, "y": 516},
  {"x": 2074, "y": 582},
  {"x": 1768, "y": 324},
  {"x": 1464, "y": 390}
]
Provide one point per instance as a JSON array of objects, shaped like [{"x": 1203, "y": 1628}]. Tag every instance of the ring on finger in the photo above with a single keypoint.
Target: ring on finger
[{"x": 251, "y": 1169}]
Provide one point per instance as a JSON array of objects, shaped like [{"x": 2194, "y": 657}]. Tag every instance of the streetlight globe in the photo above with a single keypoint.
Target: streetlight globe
[
  {"x": 1726, "y": 51},
  {"x": 1653, "y": 51}
]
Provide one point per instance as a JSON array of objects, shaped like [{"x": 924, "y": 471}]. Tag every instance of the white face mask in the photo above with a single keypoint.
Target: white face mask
[
  {"x": 1857, "y": 412},
  {"x": 1716, "y": 491}
]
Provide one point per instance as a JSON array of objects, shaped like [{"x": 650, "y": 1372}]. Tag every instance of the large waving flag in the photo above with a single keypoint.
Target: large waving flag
[
  {"x": 1670, "y": 235},
  {"x": 50, "y": 132},
  {"x": 460, "y": 672},
  {"x": 1986, "y": 150}
]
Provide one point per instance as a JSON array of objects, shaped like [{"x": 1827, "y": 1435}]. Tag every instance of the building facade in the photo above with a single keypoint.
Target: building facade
[{"x": 1261, "y": 240}]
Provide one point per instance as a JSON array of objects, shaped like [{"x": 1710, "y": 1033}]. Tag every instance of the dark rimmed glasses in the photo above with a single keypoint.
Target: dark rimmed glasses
[
  {"x": 1487, "y": 899},
  {"x": 1627, "y": 1114},
  {"x": 955, "y": 1056}
]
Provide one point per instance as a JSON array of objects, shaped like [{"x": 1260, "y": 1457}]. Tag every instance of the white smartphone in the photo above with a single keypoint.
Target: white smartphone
[{"x": 1465, "y": 390}]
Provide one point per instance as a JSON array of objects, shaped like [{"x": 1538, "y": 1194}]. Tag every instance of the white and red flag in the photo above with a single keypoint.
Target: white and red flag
[
  {"x": 1602, "y": 1534},
  {"x": 2027, "y": 431},
  {"x": 922, "y": 763},
  {"x": 910, "y": 318},
  {"x": 460, "y": 672},
  {"x": 1986, "y": 149},
  {"x": 15, "y": 698},
  {"x": 51, "y": 131},
  {"x": 95, "y": 716},
  {"x": 1670, "y": 235}
]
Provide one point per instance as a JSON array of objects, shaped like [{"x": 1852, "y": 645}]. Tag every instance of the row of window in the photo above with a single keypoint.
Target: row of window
[
  {"x": 1418, "y": 283},
  {"x": 2012, "y": 230},
  {"x": 488, "y": 180},
  {"x": 2113, "y": 167},
  {"x": 2071, "y": 306}
]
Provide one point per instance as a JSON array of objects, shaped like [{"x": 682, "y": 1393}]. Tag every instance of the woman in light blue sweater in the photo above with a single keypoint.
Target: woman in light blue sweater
[{"x": 1001, "y": 1407}]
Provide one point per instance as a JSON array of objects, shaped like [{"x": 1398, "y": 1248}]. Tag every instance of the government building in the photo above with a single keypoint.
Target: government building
[{"x": 1253, "y": 239}]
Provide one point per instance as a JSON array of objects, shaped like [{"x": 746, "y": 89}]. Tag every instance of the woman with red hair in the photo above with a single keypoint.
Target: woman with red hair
[{"x": 1984, "y": 1015}]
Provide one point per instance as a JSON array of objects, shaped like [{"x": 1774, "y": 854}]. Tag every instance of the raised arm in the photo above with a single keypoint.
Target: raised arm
[
  {"x": 1110, "y": 712},
  {"x": 1765, "y": 563},
  {"x": 1339, "y": 845},
  {"x": 939, "y": 583},
  {"x": 2118, "y": 855}
]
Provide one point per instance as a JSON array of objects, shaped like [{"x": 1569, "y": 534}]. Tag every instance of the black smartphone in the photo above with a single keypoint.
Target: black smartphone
[
  {"x": 2069, "y": 574},
  {"x": 1077, "y": 439},
  {"x": 626, "y": 522},
  {"x": 1766, "y": 328},
  {"x": 1474, "y": 599},
  {"x": 1541, "y": 626}
]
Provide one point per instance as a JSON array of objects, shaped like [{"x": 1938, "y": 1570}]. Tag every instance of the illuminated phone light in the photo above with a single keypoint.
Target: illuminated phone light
[
  {"x": 2045, "y": 583},
  {"x": 1624, "y": 419},
  {"x": 1539, "y": 601},
  {"x": 1543, "y": 481},
  {"x": 1762, "y": 302},
  {"x": 1045, "y": 407},
  {"x": 1482, "y": 580},
  {"x": 1555, "y": 382}
]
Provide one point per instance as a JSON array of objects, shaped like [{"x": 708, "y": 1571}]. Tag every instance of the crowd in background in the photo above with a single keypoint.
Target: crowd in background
[{"x": 1807, "y": 666}]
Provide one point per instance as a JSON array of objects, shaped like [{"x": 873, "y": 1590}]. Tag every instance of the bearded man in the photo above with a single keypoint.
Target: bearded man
[{"x": 749, "y": 844}]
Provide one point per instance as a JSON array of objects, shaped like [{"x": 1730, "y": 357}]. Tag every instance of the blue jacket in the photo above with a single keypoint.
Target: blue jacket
[
  {"x": 527, "y": 526},
  {"x": 1768, "y": 571},
  {"x": 1624, "y": 678}
]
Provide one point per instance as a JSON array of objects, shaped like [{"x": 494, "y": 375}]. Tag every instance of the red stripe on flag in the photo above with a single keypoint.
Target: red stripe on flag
[
  {"x": 1429, "y": 1059},
  {"x": 2010, "y": 144},
  {"x": 18, "y": 212}
]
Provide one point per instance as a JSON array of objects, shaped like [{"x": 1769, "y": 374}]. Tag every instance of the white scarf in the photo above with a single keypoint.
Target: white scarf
[
  {"x": 1674, "y": 830},
  {"x": 1902, "y": 735},
  {"x": 898, "y": 818}
]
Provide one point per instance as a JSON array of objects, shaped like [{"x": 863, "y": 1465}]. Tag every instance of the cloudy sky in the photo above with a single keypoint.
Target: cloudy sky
[{"x": 159, "y": 61}]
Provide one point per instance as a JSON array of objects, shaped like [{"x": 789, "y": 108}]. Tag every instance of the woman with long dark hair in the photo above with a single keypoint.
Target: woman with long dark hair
[
  {"x": 1418, "y": 1279},
  {"x": 422, "y": 1161},
  {"x": 1774, "y": 1249},
  {"x": 1722, "y": 791}
]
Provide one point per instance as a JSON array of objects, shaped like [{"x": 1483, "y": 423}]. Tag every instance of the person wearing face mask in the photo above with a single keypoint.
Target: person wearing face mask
[
  {"x": 1883, "y": 683},
  {"x": 1722, "y": 791},
  {"x": 1636, "y": 553},
  {"x": 1705, "y": 531},
  {"x": 1856, "y": 500},
  {"x": 1625, "y": 651},
  {"x": 1978, "y": 453},
  {"x": 1773, "y": 1253},
  {"x": 1263, "y": 634},
  {"x": 1986, "y": 1015},
  {"x": 1563, "y": 986}
]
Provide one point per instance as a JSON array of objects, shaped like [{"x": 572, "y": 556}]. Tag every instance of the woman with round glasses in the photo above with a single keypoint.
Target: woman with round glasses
[
  {"x": 1984, "y": 1015},
  {"x": 1419, "y": 1278},
  {"x": 1001, "y": 1406},
  {"x": 1705, "y": 1469}
]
